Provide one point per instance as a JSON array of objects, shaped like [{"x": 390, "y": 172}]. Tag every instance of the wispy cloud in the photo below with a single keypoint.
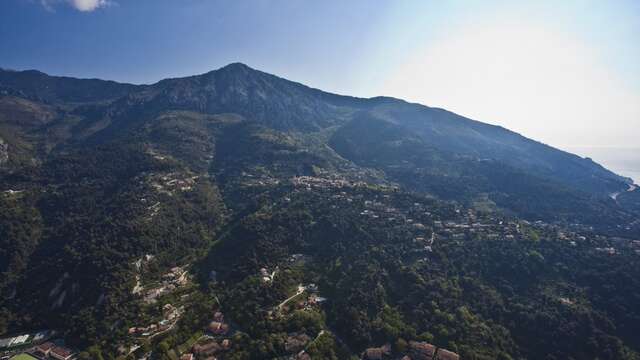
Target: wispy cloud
[{"x": 80, "y": 5}]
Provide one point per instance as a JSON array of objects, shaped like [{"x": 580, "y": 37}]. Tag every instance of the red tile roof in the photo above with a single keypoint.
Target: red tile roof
[
  {"x": 45, "y": 347},
  {"x": 444, "y": 354},
  {"x": 61, "y": 351}
]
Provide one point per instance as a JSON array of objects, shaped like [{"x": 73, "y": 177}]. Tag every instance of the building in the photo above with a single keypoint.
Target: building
[
  {"x": 226, "y": 344},
  {"x": 377, "y": 353},
  {"x": 373, "y": 354},
  {"x": 218, "y": 328},
  {"x": 421, "y": 350},
  {"x": 188, "y": 356},
  {"x": 61, "y": 353},
  {"x": 444, "y": 354},
  {"x": 207, "y": 349},
  {"x": 19, "y": 340},
  {"x": 45, "y": 348}
]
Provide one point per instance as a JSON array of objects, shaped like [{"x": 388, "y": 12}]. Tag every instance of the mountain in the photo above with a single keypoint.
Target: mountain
[
  {"x": 93, "y": 112},
  {"x": 287, "y": 106},
  {"x": 418, "y": 224}
]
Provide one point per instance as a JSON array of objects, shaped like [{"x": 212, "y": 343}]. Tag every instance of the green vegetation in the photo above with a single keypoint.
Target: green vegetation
[
  {"x": 23, "y": 357},
  {"x": 414, "y": 224},
  {"x": 482, "y": 298}
]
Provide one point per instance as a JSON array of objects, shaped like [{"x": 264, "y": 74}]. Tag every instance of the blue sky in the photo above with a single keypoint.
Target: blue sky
[{"x": 563, "y": 72}]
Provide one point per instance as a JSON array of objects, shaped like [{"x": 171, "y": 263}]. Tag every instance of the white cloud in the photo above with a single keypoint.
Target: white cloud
[
  {"x": 80, "y": 5},
  {"x": 88, "y": 5}
]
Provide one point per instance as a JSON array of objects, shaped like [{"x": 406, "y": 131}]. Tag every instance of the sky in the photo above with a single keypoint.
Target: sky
[{"x": 566, "y": 73}]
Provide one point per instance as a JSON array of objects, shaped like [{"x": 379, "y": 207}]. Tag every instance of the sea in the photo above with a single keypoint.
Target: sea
[{"x": 622, "y": 161}]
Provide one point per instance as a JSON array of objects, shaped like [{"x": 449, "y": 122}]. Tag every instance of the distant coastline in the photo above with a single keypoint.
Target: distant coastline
[{"x": 622, "y": 161}]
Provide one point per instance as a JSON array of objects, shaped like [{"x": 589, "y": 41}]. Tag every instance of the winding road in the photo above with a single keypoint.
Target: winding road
[{"x": 632, "y": 187}]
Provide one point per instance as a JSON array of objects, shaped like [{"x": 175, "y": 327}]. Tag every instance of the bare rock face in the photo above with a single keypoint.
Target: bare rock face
[{"x": 4, "y": 152}]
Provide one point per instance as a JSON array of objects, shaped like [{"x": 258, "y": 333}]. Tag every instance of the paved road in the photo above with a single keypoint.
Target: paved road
[
  {"x": 300, "y": 290},
  {"x": 632, "y": 187}
]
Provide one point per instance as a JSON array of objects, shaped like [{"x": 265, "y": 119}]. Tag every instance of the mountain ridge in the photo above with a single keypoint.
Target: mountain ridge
[{"x": 309, "y": 109}]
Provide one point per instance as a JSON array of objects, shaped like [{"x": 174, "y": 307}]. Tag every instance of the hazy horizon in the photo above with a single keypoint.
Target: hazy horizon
[{"x": 622, "y": 161}]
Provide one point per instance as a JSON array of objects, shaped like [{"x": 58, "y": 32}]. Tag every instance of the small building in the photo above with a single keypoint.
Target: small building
[
  {"x": 316, "y": 300},
  {"x": 444, "y": 354},
  {"x": 45, "y": 348},
  {"x": 373, "y": 354},
  {"x": 19, "y": 340},
  {"x": 421, "y": 350},
  {"x": 61, "y": 353},
  {"x": 377, "y": 353},
  {"x": 188, "y": 356},
  {"x": 226, "y": 344},
  {"x": 218, "y": 328},
  {"x": 207, "y": 349}
]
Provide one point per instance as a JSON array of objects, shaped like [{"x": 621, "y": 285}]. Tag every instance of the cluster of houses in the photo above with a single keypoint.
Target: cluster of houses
[
  {"x": 457, "y": 230},
  {"x": 607, "y": 250},
  {"x": 170, "y": 315},
  {"x": 152, "y": 209},
  {"x": 14, "y": 344},
  {"x": 50, "y": 350},
  {"x": 267, "y": 276},
  {"x": 173, "y": 182},
  {"x": 312, "y": 182},
  {"x": 208, "y": 348},
  {"x": 217, "y": 326},
  {"x": 175, "y": 278},
  {"x": 15, "y": 341},
  {"x": 614, "y": 245},
  {"x": 417, "y": 350},
  {"x": 43, "y": 351},
  {"x": 310, "y": 302},
  {"x": 463, "y": 224},
  {"x": 252, "y": 180}
]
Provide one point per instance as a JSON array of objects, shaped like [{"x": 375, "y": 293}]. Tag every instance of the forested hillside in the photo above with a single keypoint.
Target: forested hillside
[{"x": 239, "y": 215}]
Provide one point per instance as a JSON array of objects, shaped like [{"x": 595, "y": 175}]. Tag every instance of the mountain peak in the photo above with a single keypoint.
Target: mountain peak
[{"x": 236, "y": 67}]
